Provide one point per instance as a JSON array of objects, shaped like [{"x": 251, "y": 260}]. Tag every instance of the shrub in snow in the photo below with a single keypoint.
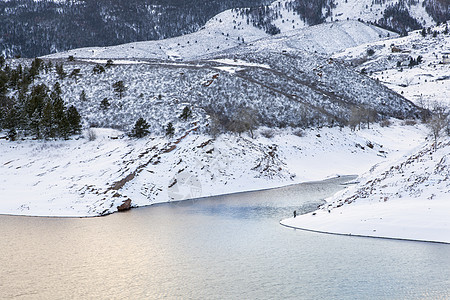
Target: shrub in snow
[
  {"x": 104, "y": 104},
  {"x": 186, "y": 114},
  {"x": 91, "y": 135},
  {"x": 119, "y": 88},
  {"x": 298, "y": 132},
  {"x": 385, "y": 123},
  {"x": 268, "y": 133}
]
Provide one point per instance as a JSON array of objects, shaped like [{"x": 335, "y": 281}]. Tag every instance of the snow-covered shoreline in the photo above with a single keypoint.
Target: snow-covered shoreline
[
  {"x": 407, "y": 201},
  {"x": 80, "y": 178}
]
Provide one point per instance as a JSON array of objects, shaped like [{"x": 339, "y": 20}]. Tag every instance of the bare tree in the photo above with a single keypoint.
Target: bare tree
[
  {"x": 244, "y": 120},
  {"x": 438, "y": 122},
  {"x": 356, "y": 117}
]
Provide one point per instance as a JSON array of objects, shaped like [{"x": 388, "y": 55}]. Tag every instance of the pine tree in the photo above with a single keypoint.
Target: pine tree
[
  {"x": 75, "y": 74},
  {"x": 140, "y": 128},
  {"x": 47, "y": 123},
  {"x": 104, "y": 104},
  {"x": 83, "y": 97},
  {"x": 98, "y": 69},
  {"x": 59, "y": 114},
  {"x": 11, "y": 122},
  {"x": 170, "y": 130},
  {"x": 56, "y": 92},
  {"x": 186, "y": 114},
  {"x": 74, "y": 119},
  {"x": 109, "y": 63},
  {"x": 119, "y": 88},
  {"x": 60, "y": 71},
  {"x": 2, "y": 61}
]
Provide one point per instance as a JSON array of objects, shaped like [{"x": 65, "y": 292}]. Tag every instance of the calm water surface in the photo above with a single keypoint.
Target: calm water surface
[{"x": 227, "y": 247}]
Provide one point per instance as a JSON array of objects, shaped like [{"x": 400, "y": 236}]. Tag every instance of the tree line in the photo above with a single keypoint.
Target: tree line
[
  {"x": 31, "y": 28},
  {"x": 36, "y": 110}
]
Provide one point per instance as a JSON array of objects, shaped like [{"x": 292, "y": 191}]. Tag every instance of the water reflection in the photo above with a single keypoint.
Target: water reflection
[{"x": 224, "y": 247}]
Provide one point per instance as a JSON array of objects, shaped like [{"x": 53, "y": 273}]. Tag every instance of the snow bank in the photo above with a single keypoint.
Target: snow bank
[{"x": 408, "y": 200}]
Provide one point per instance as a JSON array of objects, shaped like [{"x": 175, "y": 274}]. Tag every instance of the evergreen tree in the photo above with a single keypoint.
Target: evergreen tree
[
  {"x": 11, "y": 122},
  {"x": 98, "y": 69},
  {"x": 109, "y": 63},
  {"x": 119, "y": 88},
  {"x": 140, "y": 128},
  {"x": 170, "y": 130},
  {"x": 47, "y": 123},
  {"x": 83, "y": 97},
  {"x": 104, "y": 104},
  {"x": 74, "y": 120},
  {"x": 60, "y": 71},
  {"x": 56, "y": 92},
  {"x": 186, "y": 114},
  {"x": 75, "y": 74},
  {"x": 60, "y": 117}
]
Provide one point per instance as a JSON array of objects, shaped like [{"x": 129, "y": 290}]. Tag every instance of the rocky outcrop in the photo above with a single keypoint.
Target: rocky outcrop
[{"x": 126, "y": 205}]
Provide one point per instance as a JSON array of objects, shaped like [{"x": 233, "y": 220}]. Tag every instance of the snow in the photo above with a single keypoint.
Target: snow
[
  {"x": 426, "y": 82},
  {"x": 239, "y": 62},
  {"x": 88, "y": 178},
  {"x": 403, "y": 185},
  {"x": 406, "y": 198},
  {"x": 367, "y": 10},
  {"x": 216, "y": 37},
  {"x": 409, "y": 200}
]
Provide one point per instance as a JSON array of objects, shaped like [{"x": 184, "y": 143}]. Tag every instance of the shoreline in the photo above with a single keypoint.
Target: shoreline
[
  {"x": 361, "y": 235},
  {"x": 350, "y": 178}
]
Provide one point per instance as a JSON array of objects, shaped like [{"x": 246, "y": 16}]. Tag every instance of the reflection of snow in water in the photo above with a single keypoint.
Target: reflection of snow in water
[{"x": 187, "y": 186}]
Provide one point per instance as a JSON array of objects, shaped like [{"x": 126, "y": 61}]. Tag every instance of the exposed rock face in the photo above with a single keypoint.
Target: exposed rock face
[{"x": 126, "y": 205}]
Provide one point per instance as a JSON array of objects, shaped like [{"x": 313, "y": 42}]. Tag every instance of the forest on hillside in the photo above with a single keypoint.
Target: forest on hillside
[{"x": 31, "y": 28}]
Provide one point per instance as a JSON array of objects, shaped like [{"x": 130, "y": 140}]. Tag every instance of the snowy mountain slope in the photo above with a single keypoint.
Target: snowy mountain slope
[
  {"x": 408, "y": 200},
  {"x": 288, "y": 89},
  {"x": 227, "y": 31},
  {"x": 88, "y": 178},
  {"x": 369, "y": 10},
  {"x": 397, "y": 15},
  {"x": 325, "y": 38},
  {"x": 423, "y": 83}
]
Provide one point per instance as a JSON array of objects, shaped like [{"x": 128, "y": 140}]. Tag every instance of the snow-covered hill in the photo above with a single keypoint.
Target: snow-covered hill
[
  {"x": 406, "y": 200},
  {"x": 294, "y": 88},
  {"x": 88, "y": 178},
  {"x": 227, "y": 31},
  {"x": 389, "y": 63}
]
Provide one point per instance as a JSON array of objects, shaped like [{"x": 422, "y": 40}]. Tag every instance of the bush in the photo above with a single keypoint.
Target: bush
[
  {"x": 299, "y": 132},
  {"x": 409, "y": 122},
  {"x": 98, "y": 69},
  {"x": 385, "y": 123},
  {"x": 268, "y": 133},
  {"x": 105, "y": 104},
  {"x": 91, "y": 135},
  {"x": 170, "y": 130},
  {"x": 186, "y": 114}
]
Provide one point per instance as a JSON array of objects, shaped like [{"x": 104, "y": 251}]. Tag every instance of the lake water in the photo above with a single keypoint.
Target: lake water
[{"x": 226, "y": 247}]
